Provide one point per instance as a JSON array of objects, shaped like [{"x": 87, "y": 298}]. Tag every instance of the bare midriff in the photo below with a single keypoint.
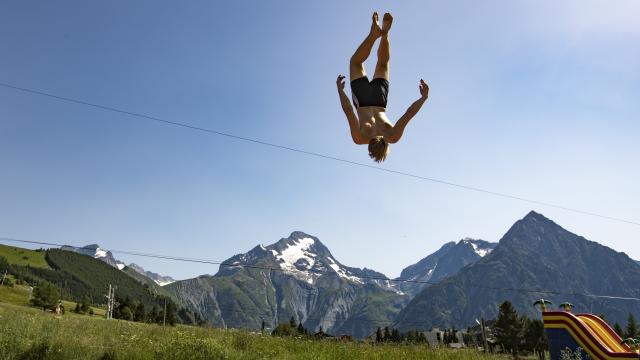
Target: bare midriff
[{"x": 373, "y": 122}]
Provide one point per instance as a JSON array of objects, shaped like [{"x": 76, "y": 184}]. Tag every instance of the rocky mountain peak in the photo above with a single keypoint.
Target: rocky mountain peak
[
  {"x": 96, "y": 252},
  {"x": 447, "y": 261},
  {"x": 303, "y": 256},
  {"x": 535, "y": 232},
  {"x": 480, "y": 247},
  {"x": 535, "y": 253},
  {"x": 159, "y": 279}
]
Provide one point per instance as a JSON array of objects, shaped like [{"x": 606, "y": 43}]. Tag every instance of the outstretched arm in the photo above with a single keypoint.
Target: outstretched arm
[
  {"x": 398, "y": 128},
  {"x": 348, "y": 111}
]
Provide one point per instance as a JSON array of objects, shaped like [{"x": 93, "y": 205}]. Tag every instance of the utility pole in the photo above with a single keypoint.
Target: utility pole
[
  {"x": 108, "y": 296},
  {"x": 164, "y": 318},
  {"x": 484, "y": 336},
  {"x": 113, "y": 301},
  {"x": 110, "y": 301}
]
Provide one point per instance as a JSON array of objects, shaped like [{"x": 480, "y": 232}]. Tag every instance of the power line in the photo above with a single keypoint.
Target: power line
[
  {"x": 315, "y": 154},
  {"x": 363, "y": 277}
]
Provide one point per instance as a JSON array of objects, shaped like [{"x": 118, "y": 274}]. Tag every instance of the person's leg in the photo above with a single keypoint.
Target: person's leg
[
  {"x": 356, "y": 65},
  {"x": 384, "y": 50}
]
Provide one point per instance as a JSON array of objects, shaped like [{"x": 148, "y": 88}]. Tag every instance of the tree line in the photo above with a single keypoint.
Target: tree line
[
  {"x": 394, "y": 335},
  {"x": 519, "y": 334}
]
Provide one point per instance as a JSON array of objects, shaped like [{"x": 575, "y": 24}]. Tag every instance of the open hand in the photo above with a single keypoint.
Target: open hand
[
  {"x": 340, "y": 82},
  {"x": 424, "y": 89}
]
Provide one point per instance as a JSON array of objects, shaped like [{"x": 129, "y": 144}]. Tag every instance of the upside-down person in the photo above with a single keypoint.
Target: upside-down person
[{"x": 371, "y": 125}]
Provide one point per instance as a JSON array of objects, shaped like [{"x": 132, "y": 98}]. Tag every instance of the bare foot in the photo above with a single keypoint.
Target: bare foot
[
  {"x": 386, "y": 23},
  {"x": 375, "y": 28}
]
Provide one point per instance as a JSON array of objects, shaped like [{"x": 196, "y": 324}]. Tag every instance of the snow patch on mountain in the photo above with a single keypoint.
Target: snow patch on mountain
[
  {"x": 106, "y": 256},
  {"x": 297, "y": 253},
  {"x": 342, "y": 272},
  {"x": 304, "y": 257},
  {"x": 157, "y": 278},
  {"x": 96, "y": 252},
  {"x": 430, "y": 272},
  {"x": 481, "y": 251}
]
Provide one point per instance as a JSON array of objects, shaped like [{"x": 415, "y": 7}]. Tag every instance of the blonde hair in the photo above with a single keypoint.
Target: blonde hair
[{"x": 378, "y": 149}]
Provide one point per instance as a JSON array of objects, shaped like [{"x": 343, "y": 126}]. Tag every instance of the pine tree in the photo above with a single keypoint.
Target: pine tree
[
  {"x": 379, "y": 336},
  {"x": 395, "y": 335},
  {"x": 535, "y": 337},
  {"x": 46, "y": 296},
  {"x": 77, "y": 309},
  {"x": 618, "y": 329},
  {"x": 508, "y": 328},
  {"x": 632, "y": 327},
  {"x": 292, "y": 322},
  {"x": 171, "y": 313},
  {"x": 86, "y": 304},
  {"x": 139, "y": 314},
  {"x": 153, "y": 314},
  {"x": 411, "y": 336},
  {"x": 125, "y": 313},
  {"x": 387, "y": 334}
]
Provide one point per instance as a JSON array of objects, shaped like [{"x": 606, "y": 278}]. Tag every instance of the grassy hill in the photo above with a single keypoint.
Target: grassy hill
[
  {"x": 31, "y": 334},
  {"x": 19, "y": 295},
  {"x": 77, "y": 276},
  {"x": 24, "y": 257}
]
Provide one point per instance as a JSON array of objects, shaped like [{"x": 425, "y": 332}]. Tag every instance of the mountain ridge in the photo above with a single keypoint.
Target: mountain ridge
[
  {"x": 96, "y": 252},
  {"x": 444, "y": 262},
  {"x": 298, "y": 277},
  {"x": 535, "y": 254}
]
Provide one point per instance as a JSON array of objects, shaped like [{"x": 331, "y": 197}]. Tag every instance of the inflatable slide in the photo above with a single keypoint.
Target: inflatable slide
[{"x": 567, "y": 331}]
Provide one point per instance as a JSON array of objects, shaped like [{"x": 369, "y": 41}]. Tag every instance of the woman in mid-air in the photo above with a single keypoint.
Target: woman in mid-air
[{"x": 371, "y": 125}]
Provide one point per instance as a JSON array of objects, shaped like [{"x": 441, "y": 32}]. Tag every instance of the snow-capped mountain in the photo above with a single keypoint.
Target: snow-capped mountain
[
  {"x": 96, "y": 252},
  {"x": 304, "y": 257},
  {"x": 447, "y": 261},
  {"x": 159, "y": 279},
  {"x": 296, "y": 276}
]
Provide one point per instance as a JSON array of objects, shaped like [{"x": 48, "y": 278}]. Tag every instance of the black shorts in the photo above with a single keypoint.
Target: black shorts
[{"x": 369, "y": 93}]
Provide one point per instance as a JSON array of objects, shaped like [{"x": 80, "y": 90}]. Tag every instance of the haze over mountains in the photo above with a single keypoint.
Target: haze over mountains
[{"x": 298, "y": 277}]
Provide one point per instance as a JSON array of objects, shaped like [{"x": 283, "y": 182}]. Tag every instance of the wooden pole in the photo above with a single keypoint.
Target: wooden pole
[
  {"x": 164, "y": 319},
  {"x": 484, "y": 336}
]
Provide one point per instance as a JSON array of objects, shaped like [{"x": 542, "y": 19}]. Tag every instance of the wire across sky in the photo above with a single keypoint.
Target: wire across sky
[{"x": 317, "y": 155}]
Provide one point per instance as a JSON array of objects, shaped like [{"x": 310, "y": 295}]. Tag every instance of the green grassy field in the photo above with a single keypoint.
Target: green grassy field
[
  {"x": 28, "y": 333},
  {"x": 24, "y": 257},
  {"x": 19, "y": 295}
]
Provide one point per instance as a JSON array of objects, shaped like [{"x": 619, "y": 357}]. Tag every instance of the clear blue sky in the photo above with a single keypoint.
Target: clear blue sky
[{"x": 538, "y": 98}]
